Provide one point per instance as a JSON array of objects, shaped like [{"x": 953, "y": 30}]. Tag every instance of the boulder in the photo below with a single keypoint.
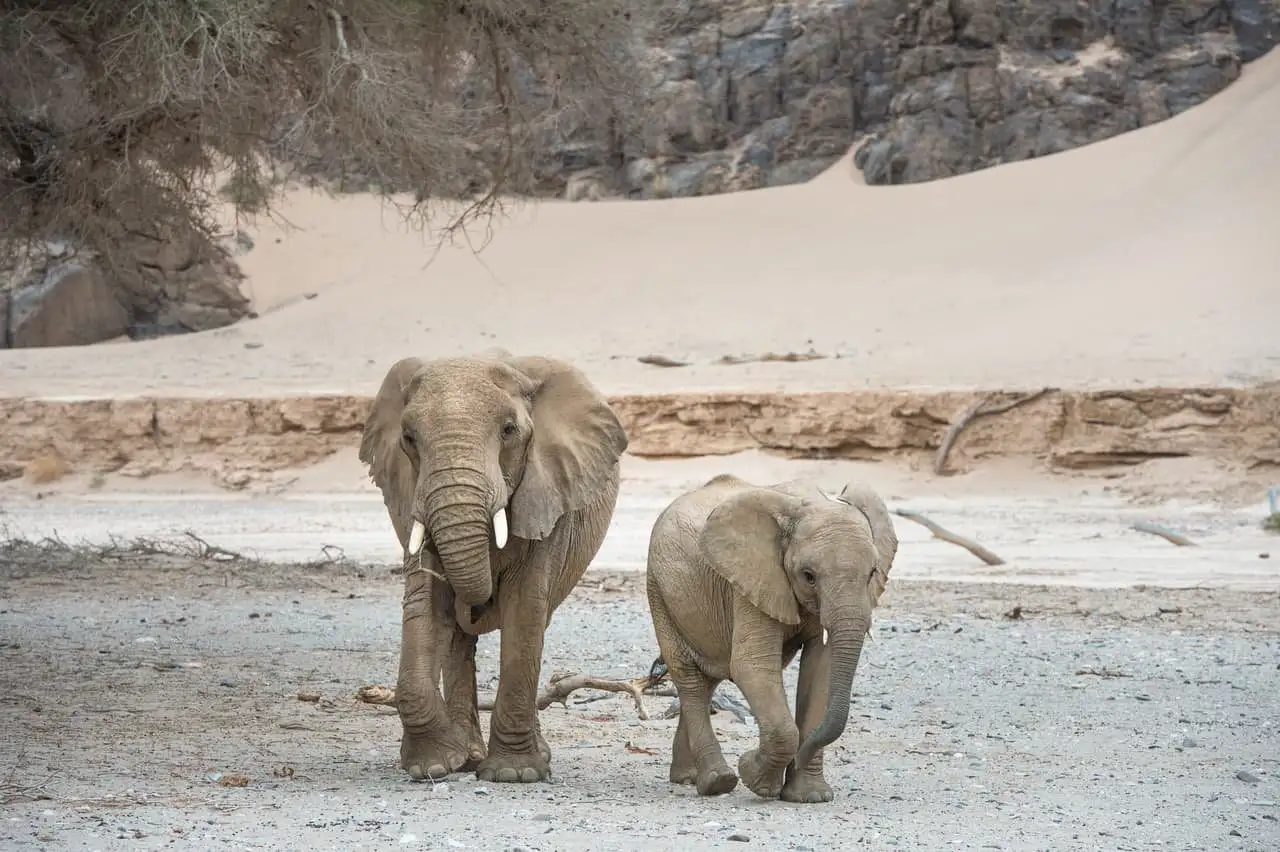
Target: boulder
[
  {"x": 154, "y": 288},
  {"x": 71, "y": 305}
]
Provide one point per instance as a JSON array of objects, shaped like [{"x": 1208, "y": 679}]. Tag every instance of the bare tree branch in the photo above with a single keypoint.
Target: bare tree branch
[
  {"x": 984, "y": 407},
  {"x": 123, "y": 115}
]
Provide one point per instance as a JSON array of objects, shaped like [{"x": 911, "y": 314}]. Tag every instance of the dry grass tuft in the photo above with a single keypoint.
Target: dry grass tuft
[{"x": 115, "y": 115}]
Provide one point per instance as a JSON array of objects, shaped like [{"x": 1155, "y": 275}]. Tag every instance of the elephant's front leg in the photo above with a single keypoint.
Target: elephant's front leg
[
  {"x": 757, "y": 671},
  {"x": 514, "y": 733},
  {"x": 460, "y": 693},
  {"x": 805, "y": 783},
  {"x": 431, "y": 746}
]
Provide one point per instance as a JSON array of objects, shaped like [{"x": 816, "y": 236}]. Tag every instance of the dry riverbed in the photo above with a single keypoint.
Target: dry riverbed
[{"x": 153, "y": 701}]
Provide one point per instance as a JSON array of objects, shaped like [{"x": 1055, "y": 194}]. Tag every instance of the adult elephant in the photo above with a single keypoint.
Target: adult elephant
[{"x": 500, "y": 474}]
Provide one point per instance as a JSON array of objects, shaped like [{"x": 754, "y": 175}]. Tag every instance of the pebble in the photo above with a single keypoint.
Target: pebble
[
  {"x": 739, "y": 837},
  {"x": 1247, "y": 777},
  {"x": 1187, "y": 742}
]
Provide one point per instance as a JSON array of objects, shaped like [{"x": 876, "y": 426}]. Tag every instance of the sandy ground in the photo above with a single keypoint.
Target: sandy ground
[
  {"x": 1103, "y": 690},
  {"x": 1144, "y": 259},
  {"x": 1061, "y": 530},
  {"x": 1117, "y": 720}
]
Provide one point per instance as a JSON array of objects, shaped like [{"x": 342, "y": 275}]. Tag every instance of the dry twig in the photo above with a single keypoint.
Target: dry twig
[
  {"x": 984, "y": 407},
  {"x": 1166, "y": 534},
  {"x": 946, "y": 535}
]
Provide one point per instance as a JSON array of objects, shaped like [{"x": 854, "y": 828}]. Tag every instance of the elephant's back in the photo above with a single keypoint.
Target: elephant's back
[{"x": 676, "y": 530}]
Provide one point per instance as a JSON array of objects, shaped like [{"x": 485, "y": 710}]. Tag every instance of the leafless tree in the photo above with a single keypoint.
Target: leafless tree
[{"x": 115, "y": 115}]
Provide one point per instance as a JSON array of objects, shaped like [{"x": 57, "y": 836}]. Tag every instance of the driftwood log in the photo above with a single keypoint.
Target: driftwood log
[{"x": 940, "y": 532}]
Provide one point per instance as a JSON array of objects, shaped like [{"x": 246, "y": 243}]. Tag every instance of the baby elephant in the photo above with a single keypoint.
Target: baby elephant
[{"x": 740, "y": 578}]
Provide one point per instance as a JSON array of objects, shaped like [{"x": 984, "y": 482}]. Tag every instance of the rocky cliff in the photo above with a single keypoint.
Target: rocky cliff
[
  {"x": 744, "y": 94},
  {"x": 237, "y": 440},
  {"x": 750, "y": 93},
  {"x": 65, "y": 297}
]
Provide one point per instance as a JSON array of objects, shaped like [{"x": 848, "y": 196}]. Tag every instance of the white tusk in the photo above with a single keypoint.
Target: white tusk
[
  {"x": 824, "y": 636},
  {"x": 500, "y": 528},
  {"x": 417, "y": 537},
  {"x": 871, "y": 634}
]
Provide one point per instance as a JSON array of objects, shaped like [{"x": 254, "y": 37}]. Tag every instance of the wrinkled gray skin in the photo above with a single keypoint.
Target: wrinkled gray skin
[
  {"x": 451, "y": 443},
  {"x": 740, "y": 578}
]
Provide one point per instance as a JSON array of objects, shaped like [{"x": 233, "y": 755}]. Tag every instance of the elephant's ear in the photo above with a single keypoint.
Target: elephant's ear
[
  {"x": 865, "y": 499},
  {"x": 577, "y": 441},
  {"x": 380, "y": 449},
  {"x": 743, "y": 539}
]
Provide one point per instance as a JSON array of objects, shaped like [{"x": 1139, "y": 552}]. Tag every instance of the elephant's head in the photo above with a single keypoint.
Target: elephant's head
[
  {"x": 466, "y": 450},
  {"x": 825, "y": 555}
]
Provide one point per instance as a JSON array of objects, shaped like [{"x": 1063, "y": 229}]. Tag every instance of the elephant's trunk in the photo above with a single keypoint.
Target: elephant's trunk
[
  {"x": 456, "y": 514},
  {"x": 846, "y": 647}
]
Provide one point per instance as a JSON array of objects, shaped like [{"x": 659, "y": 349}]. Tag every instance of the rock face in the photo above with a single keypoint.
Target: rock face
[
  {"x": 749, "y": 93},
  {"x": 235, "y": 440},
  {"x": 74, "y": 299}
]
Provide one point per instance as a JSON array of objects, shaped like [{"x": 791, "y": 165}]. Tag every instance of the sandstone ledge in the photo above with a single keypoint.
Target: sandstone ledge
[{"x": 236, "y": 439}]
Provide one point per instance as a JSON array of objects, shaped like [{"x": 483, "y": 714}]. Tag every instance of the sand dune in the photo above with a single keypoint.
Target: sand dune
[{"x": 1150, "y": 258}]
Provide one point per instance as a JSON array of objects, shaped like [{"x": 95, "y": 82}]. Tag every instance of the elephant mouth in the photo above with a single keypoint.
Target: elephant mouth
[
  {"x": 871, "y": 634},
  {"x": 499, "y": 530}
]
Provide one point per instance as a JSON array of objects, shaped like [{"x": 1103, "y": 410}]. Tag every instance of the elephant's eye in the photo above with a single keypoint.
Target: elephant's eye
[
  {"x": 508, "y": 431},
  {"x": 407, "y": 437},
  {"x": 809, "y": 577}
]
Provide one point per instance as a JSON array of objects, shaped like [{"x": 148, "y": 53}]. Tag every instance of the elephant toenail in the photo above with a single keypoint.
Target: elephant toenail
[
  {"x": 507, "y": 775},
  {"x": 415, "y": 772}
]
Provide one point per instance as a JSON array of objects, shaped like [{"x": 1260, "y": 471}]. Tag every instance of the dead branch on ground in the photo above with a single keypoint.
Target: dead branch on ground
[
  {"x": 984, "y": 407},
  {"x": 661, "y": 361},
  {"x": 772, "y": 357},
  {"x": 947, "y": 535},
  {"x": 560, "y": 686},
  {"x": 1162, "y": 532}
]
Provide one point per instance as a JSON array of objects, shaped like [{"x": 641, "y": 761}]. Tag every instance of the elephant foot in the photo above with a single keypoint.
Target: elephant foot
[
  {"x": 759, "y": 776},
  {"x": 515, "y": 768},
  {"x": 807, "y": 790},
  {"x": 544, "y": 750},
  {"x": 428, "y": 757},
  {"x": 476, "y": 750},
  {"x": 717, "y": 781},
  {"x": 683, "y": 775}
]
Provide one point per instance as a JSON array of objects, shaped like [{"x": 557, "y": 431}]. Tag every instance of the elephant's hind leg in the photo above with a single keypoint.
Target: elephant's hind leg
[{"x": 696, "y": 757}]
